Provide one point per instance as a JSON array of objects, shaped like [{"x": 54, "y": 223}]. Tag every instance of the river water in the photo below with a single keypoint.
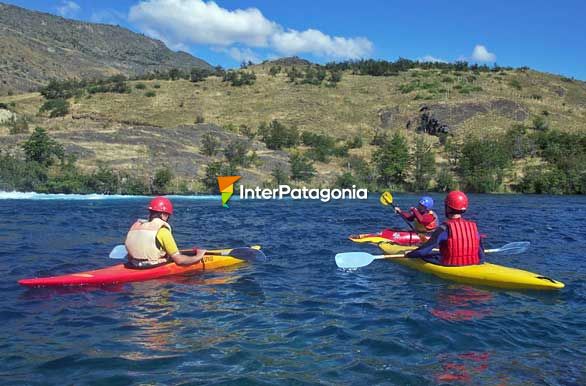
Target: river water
[{"x": 297, "y": 319}]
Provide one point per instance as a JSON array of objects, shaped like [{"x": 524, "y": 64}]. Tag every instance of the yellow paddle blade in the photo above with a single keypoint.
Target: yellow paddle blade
[{"x": 386, "y": 198}]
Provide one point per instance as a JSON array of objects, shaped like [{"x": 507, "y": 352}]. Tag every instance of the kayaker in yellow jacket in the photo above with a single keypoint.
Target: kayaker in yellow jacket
[{"x": 150, "y": 242}]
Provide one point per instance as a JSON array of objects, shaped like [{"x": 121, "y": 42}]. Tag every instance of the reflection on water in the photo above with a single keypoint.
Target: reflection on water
[{"x": 459, "y": 303}]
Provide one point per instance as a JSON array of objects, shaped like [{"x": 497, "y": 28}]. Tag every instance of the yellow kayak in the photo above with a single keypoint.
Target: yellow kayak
[{"x": 487, "y": 274}]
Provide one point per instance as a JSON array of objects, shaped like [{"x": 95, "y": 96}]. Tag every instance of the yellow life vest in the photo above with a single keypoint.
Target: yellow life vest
[{"x": 141, "y": 241}]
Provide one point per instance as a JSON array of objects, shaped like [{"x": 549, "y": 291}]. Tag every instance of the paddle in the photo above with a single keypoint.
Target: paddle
[
  {"x": 244, "y": 253},
  {"x": 362, "y": 259},
  {"x": 387, "y": 199}
]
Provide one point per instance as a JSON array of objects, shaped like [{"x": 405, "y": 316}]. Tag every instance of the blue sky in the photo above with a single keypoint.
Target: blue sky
[{"x": 548, "y": 36}]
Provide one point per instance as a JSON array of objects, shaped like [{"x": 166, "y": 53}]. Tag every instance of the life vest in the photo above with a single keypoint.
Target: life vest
[
  {"x": 420, "y": 228},
  {"x": 462, "y": 245},
  {"x": 141, "y": 241}
]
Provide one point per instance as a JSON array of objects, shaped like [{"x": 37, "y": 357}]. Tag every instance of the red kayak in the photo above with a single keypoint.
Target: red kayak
[
  {"x": 121, "y": 274},
  {"x": 398, "y": 237}
]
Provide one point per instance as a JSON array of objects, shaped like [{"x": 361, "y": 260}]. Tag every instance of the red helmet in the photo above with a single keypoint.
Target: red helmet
[
  {"x": 161, "y": 204},
  {"x": 456, "y": 200}
]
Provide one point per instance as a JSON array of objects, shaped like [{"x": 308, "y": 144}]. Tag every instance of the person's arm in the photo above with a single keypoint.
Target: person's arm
[
  {"x": 423, "y": 219},
  {"x": 406, "y": 215},
  {"x": 426, "y": 249},
  {"x": 167, "y": 241},
  {"x": 481, "y": 255}
]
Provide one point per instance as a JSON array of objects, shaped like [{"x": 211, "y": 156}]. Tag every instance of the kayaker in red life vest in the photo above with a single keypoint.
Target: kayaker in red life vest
[
  {"x": 423, "y": 217},
  {"x": 150, "y": 242},
  {"x": 458, "y": 239}
]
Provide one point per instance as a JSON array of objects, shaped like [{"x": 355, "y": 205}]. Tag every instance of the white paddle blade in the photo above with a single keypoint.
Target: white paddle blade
[
  {"x": 511, "y": 248},
  {"x": 516, "y": 247},
  {"x": 119, "y": 252},
  {"x": 354, "y": 259}
]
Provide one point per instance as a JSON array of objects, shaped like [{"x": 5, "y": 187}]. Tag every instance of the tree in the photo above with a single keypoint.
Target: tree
[
  {"x": 346, "y": 180},
  {"x": 424, "y": 165},
  {"x": 483, "y": 163},
  {"x": 391, "y": 160},
  {"x": 209, "y": 144},
  {"x": 280, "y": 175},
  {"x": 445, "y": 181},
  {"x": 198, "y": 74},
  {"x": 277, "y": 136},
  {"x": 301, "y": 168},
  {"x": 213, "y": 171},
  {"x": 56, "y": 107},
  {"x": 42, "y": 149},
  {"x": 236, "y": 152},
  {"x": 174, "y": 74},
  {"x": 161, "y": 180}
]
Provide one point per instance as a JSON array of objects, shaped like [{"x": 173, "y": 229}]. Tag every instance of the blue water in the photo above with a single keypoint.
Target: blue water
[{"x": 297, "y": 319}]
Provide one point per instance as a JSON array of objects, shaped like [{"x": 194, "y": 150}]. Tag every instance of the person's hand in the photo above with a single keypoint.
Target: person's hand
[
  {"x": 397, "y": 209},
  {"x": 200, "y": 252}
]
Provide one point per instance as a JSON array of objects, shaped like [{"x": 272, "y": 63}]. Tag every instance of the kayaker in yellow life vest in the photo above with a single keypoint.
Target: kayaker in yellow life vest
[
  {"x": 150, "y": 242},
  {"x": 423, "y": 217}
]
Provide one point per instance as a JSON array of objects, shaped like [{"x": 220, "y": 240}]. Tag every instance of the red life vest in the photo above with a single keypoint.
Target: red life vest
[
  {"x": 462, "y": 245},
  {"x": 429, "y": 227}
]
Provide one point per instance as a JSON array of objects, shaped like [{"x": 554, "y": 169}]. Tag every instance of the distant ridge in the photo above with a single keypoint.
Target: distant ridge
[{"x": 36, "y": 47}]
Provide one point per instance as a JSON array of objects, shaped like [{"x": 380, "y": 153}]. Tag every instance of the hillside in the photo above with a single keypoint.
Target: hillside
[
  {"x": 38, "y": 46},
  {"x": 110, "y": 127}
]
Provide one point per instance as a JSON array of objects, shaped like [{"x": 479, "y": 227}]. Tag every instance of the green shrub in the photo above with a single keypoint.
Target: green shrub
[
  {"x": 540, "y": 123},
  {"x": 209, "y": 144},
  {"x": 514, "y": 83},
  {"x": 236, "y": 153},
  {"x": 198, "y": 74},
  {"x": 55, "y": 107},
  {"x": 150, "y": 94},
  {"x": 274, "y": 70},
  {"x": 301, "y": 168},
  {"x": 355, "y": 142},
  {"x": 277, "y": 136},
  {"x": 140, "y": 86}
]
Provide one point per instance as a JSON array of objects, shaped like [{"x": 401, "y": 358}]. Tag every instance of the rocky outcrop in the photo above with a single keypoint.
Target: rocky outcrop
[{"x": 453, "y": 115}]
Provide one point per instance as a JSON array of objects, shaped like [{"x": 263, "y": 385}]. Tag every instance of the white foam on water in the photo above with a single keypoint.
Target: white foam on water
[{"x": 47, "y": 196}]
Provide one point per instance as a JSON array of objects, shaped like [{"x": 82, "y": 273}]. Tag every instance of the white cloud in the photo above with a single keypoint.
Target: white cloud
[
  {"x": 68, "y": 8},
  {"x": 199, "y": 22},
  {"x": 316, "y": 42},
  {"x": 431, "y": 59},
  {"x": 481, "y": 54},
  {"x": 242, "y": 55}
]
